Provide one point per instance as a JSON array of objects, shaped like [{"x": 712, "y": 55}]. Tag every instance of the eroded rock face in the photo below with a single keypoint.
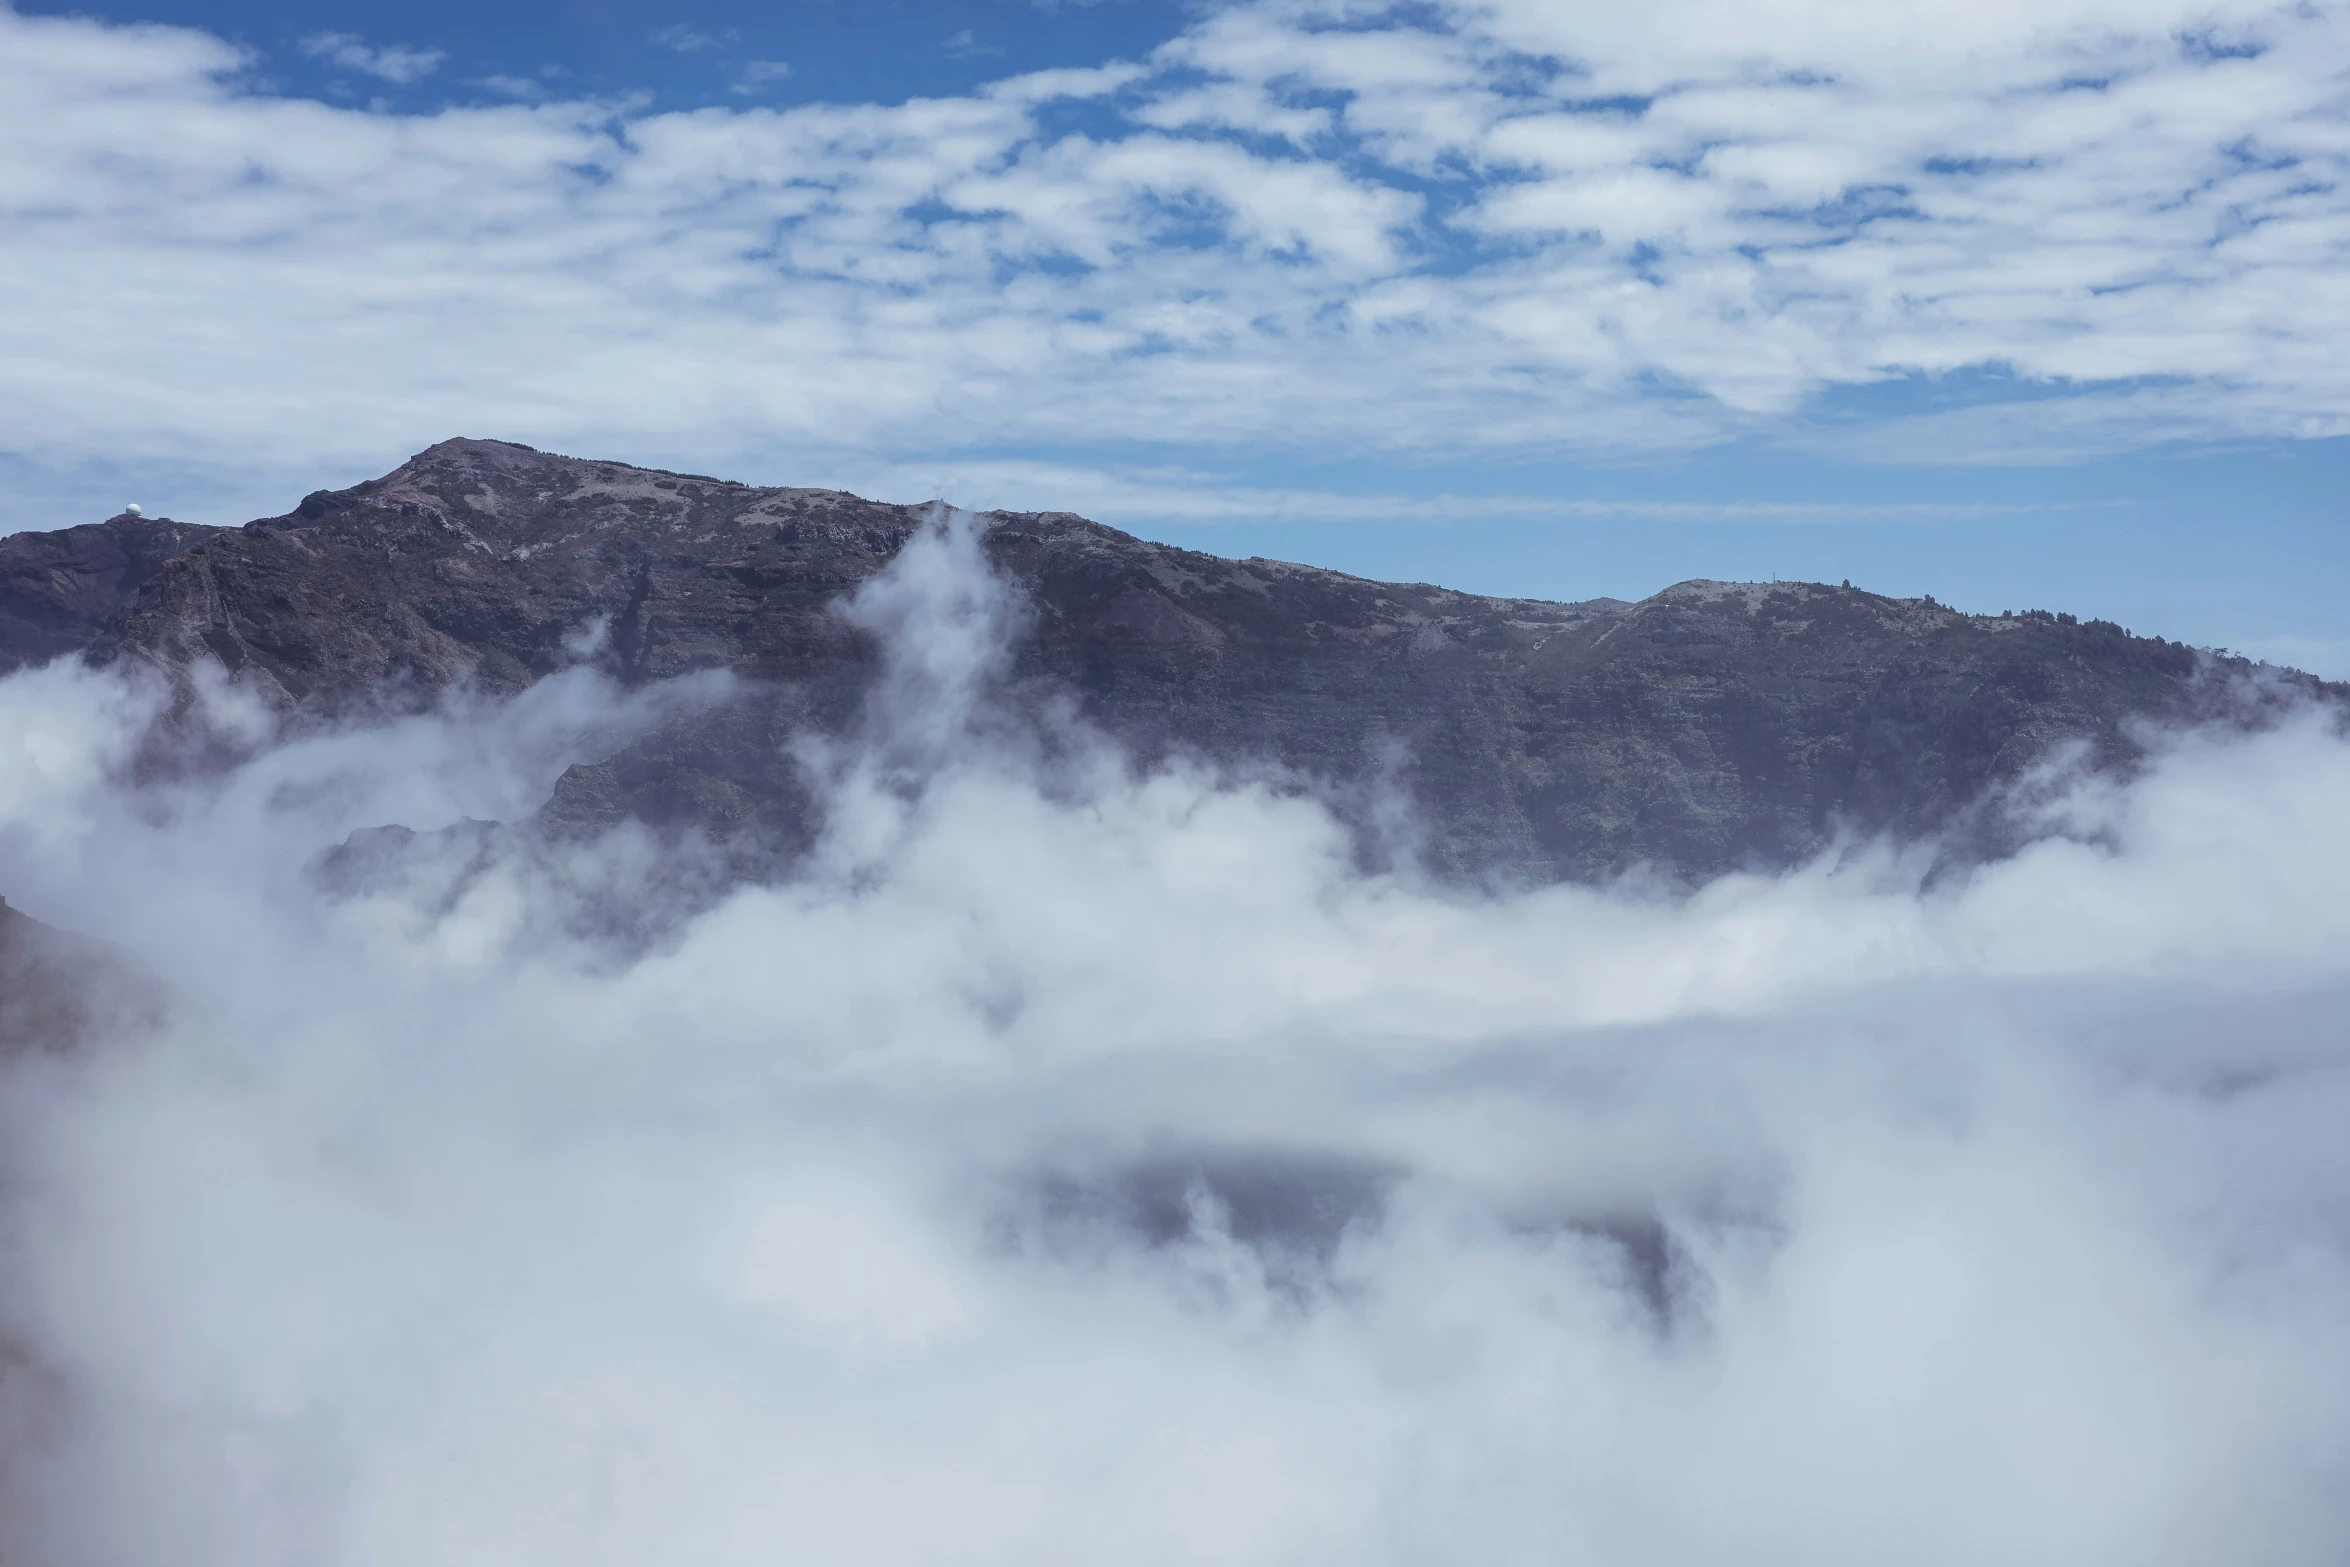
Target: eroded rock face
[
  {"x": 63, "y": 592},
  {"x": 1712, "y": 726}
]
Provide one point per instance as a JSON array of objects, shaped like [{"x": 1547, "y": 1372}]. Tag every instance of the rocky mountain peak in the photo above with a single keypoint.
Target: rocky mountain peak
[{"x": 1709, "y": 726}]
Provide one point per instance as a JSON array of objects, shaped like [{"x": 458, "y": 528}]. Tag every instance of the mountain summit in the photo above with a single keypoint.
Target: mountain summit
[{"x": 1712, "y": 726}]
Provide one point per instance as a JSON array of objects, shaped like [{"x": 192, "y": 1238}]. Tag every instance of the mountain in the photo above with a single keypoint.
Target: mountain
[
  {"x": 1712, "y": 726},
  {"x": 64, "y": 592},
  {"x": 59, "y": 990}
]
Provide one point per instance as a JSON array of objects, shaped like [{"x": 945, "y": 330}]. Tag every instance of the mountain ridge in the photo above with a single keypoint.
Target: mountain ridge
[{"x": 1711, "y": 726}]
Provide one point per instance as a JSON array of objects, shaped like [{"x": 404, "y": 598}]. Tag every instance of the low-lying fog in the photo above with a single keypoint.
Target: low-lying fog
[{"x": 1072, "y": 1166}]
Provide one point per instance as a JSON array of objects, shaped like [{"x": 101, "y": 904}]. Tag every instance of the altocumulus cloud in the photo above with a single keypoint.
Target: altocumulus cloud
[
  {"x": 1512, "y": 227},
  {"x": 1076, "y": 1164},
  {"x": 401, "y": 63}
]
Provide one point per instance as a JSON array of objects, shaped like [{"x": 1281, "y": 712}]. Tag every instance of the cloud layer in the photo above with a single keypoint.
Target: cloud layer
[
  {"x": 1299, "y": 227},
  {"x": 1073, "y": 1164}
]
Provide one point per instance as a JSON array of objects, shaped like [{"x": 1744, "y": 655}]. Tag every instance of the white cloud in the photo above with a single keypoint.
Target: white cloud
[
  {"x": 399, "y": 63},
  {"x": 1276, "y": 235},
  {"x": 757, "y": 74},
  {"x": 1233, "y": 106},
  {"x": 1173, "y": 494},
  {"x": 1078, "y": 1158},
  {"x": 1069, "y": 82},
  {"x": 686, "y": 39}
]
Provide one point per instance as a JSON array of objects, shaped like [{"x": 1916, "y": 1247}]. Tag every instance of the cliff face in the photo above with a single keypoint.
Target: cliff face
[
  {"x": 1711, "y": 726},
  {"x": 63, "y": 592}
]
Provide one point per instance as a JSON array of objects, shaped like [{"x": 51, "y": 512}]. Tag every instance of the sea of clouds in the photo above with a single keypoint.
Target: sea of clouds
[{"x": 1076, "y": 1164}]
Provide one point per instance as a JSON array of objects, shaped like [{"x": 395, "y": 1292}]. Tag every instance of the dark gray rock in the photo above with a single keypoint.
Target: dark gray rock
[
  {"x": 63, "y": 592},
  {"x": 1713, "y": 726}
]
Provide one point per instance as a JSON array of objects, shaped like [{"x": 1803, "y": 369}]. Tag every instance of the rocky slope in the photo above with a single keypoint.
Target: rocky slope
[
  {"x": 59, "y": 990},
  {"x": 1712, "y": 726},
  {"x": 62, "y": 592}
]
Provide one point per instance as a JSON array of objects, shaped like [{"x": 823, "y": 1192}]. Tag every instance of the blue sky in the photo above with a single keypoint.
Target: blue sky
[
  {"x": 678, "y": 56},
  {"x": 2017, "y": 304}
]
